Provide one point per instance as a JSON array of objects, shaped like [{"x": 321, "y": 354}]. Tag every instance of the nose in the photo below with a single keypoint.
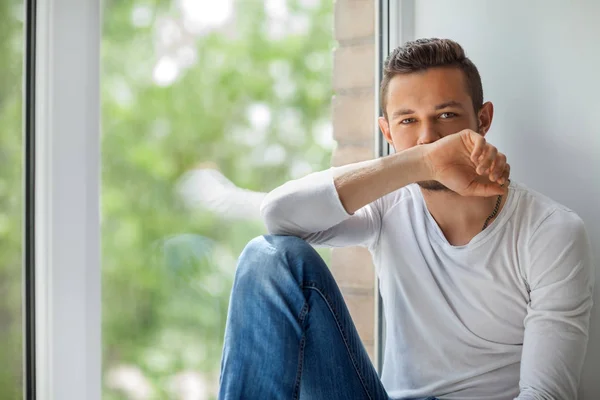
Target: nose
[{"x": 428, "y": 134}]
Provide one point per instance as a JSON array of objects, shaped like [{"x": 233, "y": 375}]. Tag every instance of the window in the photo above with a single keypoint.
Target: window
[
  {"x": 11, "y": 199},
  {"x": 205, "y": 106}
]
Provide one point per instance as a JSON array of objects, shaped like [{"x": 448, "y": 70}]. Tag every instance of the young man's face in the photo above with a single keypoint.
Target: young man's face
[{"x": 423, "y": 107}]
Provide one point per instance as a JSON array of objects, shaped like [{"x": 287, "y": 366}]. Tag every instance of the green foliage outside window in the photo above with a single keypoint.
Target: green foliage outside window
[{"x": 248, "y": 96}]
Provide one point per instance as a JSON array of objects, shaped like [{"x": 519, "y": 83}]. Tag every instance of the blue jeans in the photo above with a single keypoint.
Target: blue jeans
[{"x": 289, "y": 334}]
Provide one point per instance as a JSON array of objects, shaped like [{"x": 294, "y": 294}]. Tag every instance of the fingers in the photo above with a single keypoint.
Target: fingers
[
  {"x": 497, "y": 167},
  {"x": 486, "y": 160},
  {"x": 505, "y": 175},
  {"x": 495, "y": 186},
  {"x": 486, "y": 189},
  {"x": 478, "y": 149},
  {"x": 489, "y": 161}
]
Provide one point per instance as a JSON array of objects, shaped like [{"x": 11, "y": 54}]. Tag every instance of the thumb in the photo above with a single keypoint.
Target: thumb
[{"x": 487, "y": 189}]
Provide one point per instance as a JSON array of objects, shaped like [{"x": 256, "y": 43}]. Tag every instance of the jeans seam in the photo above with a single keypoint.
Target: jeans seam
[
  {"x": 301, "y": 317},
  {"x": 296, "y": 394},
  {"x": 313, "y": 286}
]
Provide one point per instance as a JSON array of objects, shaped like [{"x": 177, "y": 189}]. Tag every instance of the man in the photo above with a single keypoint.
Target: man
[{"x": 486, "y": 285}]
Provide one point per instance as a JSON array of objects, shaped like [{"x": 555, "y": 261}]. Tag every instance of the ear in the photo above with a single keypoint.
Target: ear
[
  {"x": 486, "y": 114},
  {"x": 385, "y": 129}
]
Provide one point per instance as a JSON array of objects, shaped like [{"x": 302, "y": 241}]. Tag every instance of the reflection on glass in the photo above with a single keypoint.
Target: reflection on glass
[
  {"x": 206, "y": 106},
  {"x": 11, "y": 198}
]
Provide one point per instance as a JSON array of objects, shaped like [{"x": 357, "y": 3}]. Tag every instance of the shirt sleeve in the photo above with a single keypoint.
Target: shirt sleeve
[
  {"x": 560, "y": 275},
  {"x": 310, "y": 208}
]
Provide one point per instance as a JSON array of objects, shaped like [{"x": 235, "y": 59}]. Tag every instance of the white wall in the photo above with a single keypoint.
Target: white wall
[{"x": 540, "y": 65}]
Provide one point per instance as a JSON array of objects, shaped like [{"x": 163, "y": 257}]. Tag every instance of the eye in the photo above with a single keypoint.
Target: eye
[
  {"x": 447, "y": 115},
  {"x": 407, "y": 121}
]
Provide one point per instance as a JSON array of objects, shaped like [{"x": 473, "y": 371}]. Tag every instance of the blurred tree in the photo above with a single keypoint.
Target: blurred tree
[
  {"x": 11, "y": 189},
  {"x": 244, "y": 85},
  {"x": 247, "y": 89}
]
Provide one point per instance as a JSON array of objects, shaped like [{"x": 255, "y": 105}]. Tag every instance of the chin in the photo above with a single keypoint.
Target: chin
[{"x": 434, "y": 186}]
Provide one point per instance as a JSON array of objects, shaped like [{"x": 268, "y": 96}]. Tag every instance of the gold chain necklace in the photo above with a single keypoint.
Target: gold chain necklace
[{"x": 493, "y": 214}]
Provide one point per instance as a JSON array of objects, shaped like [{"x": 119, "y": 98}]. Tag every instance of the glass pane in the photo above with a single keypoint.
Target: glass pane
[
  {"x": 206, "y": 105},
  {"x": 11, "y": 198}
]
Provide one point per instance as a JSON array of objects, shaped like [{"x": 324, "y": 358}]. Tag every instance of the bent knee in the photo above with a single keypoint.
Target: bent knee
[
  {"x": 271, "y": 245},
  {"x": 273, "y": 259},
  {"x": 264, "y": 252}
]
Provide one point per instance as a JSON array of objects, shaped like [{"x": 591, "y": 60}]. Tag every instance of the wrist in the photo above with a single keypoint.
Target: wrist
[
  {"x": 416, "y": 161},
  {"x": 423, "y": 167}
]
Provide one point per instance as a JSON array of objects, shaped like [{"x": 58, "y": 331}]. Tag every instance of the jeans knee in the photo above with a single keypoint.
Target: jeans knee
[
  {"x": 267, "y": 246},
  {"x": 292, "y": 245},
  {"x": 272, "y": 253}
]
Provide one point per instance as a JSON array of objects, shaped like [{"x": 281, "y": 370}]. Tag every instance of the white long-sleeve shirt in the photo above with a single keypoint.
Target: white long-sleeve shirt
[{"x": 505, "y": 316}]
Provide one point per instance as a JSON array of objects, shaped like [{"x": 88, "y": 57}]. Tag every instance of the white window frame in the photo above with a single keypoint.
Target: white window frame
[
  {"x": 68, "y": 320},
  {"x": 67, "y": 237},
  {"x": 395, "y": 25}
]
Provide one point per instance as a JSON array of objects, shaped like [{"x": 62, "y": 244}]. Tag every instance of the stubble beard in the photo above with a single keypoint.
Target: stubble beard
[{"x": 433, "y": 186}]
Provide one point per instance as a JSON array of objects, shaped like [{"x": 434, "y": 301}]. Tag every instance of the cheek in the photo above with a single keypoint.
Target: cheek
[
  {"x": 466, "y": 123},
  {"x": 449, "y": 128}
]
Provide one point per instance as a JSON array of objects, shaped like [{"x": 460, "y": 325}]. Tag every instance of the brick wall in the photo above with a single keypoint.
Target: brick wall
[{"x": 353, "y": 121}]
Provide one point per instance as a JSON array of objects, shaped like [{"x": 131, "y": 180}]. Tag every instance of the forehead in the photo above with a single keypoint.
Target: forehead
[{"x": 425, "y": 89}]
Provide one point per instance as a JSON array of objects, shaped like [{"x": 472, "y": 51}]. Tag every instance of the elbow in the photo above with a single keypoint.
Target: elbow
[{"x": 272, "y": 214}]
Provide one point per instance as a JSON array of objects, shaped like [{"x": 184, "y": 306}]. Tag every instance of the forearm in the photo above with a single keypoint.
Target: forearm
[
  {"x": 323, "y": 205},
  {"x": 322, "y": 200},
  {"x": 362, "y": 183}
]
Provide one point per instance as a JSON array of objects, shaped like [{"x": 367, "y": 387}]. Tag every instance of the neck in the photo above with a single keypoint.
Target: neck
[{"x": 460, "y": 218}]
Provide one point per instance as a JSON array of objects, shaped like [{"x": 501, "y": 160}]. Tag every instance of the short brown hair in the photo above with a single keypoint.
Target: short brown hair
[{"x": 423, "y": 54}]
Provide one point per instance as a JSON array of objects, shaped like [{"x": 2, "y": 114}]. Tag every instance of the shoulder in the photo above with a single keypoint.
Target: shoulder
[
  {"x": 554, "y": 237},
  {"x": 538, "y": 214}
]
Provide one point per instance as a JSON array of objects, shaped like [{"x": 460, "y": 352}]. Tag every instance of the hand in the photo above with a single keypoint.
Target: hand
[{"x": 465, "y": 163}]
